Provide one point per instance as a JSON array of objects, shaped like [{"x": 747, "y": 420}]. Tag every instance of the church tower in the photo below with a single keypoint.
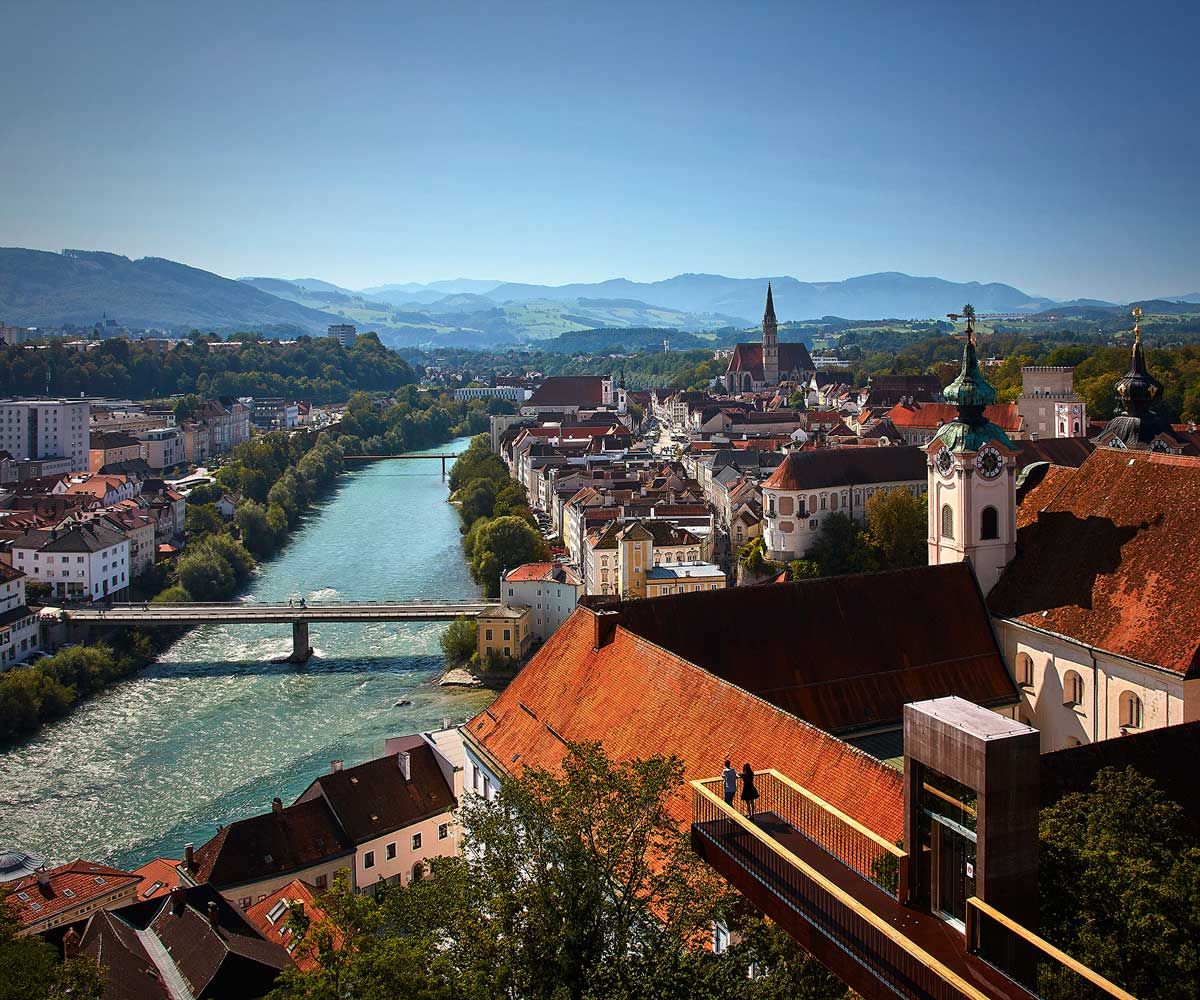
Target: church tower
[
  {"x": 770, "y": 343},
  {"x": 972, "y": 467}
]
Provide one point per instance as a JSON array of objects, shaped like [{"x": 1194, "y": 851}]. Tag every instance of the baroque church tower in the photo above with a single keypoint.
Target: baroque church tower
[
  {"x": 770, "y": 343},
  {"x": 972, "y": 467}
]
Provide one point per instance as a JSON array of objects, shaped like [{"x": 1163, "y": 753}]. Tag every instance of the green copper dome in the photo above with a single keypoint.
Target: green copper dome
[{"x": 971, "y": 393}]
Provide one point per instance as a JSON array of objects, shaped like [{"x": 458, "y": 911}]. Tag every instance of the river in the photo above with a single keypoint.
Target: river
[{"x": 213, "y": 730}]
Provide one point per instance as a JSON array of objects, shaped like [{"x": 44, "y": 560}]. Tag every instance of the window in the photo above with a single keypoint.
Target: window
[
  {"x": 369, "y": 859},
  {"x": 1025, "y": 670},
  {"x": 390, "y": 851},
  {"x": 487, "y": 634},
  {"x": 322, "y": 881},
  {"x": 1072, "y": 689},
  {"x": 245, "y": 902},
  {"x": 989, "y": 523},
  {"x": 416, "y": 841},
  {"x": 443, "y": 831},
  {"x": 947, "y": 521},
  {"x": 507, "y": 635},
  {"x": 418, "y": 872},
  {"x": 1131, "y": 711}
]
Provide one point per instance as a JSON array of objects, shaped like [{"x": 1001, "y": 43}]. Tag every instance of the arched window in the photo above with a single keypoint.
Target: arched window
[
  {"x": 1072, "y": 688},
  {"x": 824, "y": 501},
  {"x": 1025, "y": 670},
  {"x": 947, "y": 521},
  {"x": 989, "y": 523},
  {"x": 1131, "y": 710},
  {"x": 1075, "y": 425},
  {"x": 418, "y": 871}
]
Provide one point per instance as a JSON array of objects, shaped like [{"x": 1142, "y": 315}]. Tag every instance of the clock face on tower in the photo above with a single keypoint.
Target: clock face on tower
[
  {"x": 944, "y": 461},
  {"x": 989, "y": 462}
]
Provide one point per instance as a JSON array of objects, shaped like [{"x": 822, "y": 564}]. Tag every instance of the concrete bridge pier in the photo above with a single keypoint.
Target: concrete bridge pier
[{"x": 301, "y": 650}]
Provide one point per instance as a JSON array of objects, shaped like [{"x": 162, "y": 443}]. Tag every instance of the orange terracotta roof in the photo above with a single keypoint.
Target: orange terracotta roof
[
  {"x": 639, "y": 700},
  {"x": 158, "y": 877},
  {"x": 279, "y": 931},
  {"x": 1111, "y": 560},
  {"x": 71, "y": 886},
  {"x": 930, "y": 416},
  {"x": 1041, "y": 493}
]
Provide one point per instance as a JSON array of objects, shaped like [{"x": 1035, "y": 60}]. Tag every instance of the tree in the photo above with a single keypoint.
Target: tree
[
  {"x": 206, "y": 575},
  {"x": 459, "y": 641},
  {"x": 842, "y": 547},
  {"x": 255, "y": 529},
  {"x": 203, "y": 519},
  {"x": 1120, "y": 887},
  {"x": 897, "y": 528},
  {"x": 476, "y": 500},
  {"x": 504, "y": 543},
  {"x": 31, "y": 967}
]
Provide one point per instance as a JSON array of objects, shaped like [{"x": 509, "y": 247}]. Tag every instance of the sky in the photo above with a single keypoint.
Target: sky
[{"x": 1052, "y": 146}]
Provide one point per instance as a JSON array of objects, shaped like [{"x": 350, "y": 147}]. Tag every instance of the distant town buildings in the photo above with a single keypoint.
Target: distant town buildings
[{"x": 343, "y": 333}]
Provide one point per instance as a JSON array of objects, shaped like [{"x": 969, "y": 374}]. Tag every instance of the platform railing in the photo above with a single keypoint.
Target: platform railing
[
  {"x": 1031, "y": 961},
  {"x": 899, "y": 964},
  {"x": 874, "y": 857}
]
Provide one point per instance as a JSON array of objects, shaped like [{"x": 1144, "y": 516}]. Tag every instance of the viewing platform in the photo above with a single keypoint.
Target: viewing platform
[{"x": 834, "y": 886}]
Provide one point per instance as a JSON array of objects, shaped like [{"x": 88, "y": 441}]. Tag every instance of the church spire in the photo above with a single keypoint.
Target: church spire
[
  {"x": 1137, "y": 389},
  {"x": 770, "y": 344},
  {"x": 769, "y": 314},
  {"x": 972, "y": 393}
]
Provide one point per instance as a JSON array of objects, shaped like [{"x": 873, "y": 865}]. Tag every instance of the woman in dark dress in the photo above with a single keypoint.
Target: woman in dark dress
[{"x": 749, "y": 792}]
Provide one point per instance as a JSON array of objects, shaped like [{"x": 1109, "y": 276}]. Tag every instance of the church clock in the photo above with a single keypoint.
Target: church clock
[
  {"x": 989, "y": 462},
  {"x": 944, "y": 461}
]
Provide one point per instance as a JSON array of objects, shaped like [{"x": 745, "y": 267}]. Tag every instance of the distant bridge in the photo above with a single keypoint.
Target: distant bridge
[
  {"x": 380, "y": 458},
  {"x": 299, "y": 615}
]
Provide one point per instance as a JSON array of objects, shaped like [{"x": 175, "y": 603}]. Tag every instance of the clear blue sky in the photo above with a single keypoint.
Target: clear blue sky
[{"x": 1054, "y": 146}]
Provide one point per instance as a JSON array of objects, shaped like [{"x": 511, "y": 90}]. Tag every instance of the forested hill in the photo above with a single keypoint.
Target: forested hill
[
  {"x": 317, "y": 369},
  {"x": 78, "y": 287}
]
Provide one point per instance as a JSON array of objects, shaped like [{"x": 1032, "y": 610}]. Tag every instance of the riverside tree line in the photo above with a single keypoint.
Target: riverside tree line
[{"x": 278, "y": 476}]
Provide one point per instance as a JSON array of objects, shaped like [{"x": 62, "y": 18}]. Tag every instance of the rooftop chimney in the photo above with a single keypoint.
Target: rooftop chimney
[
  {"x": 335, "y": 766},
  {"x": 277, "y": 805},
  {"x": 405, "y": 761},
  {"x": 213, "y": 920},
  {"x": 178, "y": 897},
  {"x": 189, "y": 860},
  {"x": 604, "y": 627},
  {"x": 43, "y": 881}
]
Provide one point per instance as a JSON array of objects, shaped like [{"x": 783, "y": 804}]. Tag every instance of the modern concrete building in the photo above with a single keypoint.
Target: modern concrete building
[
  {"x": 343, "y": 333},
  {"x": 46, "y": 428}
]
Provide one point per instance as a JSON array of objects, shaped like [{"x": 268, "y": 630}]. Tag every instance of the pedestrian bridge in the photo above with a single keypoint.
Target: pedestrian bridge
[{"x": 247, "y": 613}]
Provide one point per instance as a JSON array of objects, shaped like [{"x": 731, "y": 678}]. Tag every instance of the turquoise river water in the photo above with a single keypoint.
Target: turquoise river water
[{"x": 213, "y": 730}]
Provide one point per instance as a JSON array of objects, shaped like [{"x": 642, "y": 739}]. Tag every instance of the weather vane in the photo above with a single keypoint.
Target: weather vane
[
  {"x": 1137, "y": 324},
  {"x": 968, "y": 313}
]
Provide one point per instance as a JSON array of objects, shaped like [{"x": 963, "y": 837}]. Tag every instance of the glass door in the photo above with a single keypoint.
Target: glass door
[{"x": 953, "y": 870}]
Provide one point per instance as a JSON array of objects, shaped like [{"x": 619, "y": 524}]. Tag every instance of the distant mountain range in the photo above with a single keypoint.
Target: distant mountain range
[{"x": 79, "y": 287}]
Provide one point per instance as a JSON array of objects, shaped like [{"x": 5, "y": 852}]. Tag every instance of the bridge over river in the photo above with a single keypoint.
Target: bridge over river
[{"x": 298, "y": 614}]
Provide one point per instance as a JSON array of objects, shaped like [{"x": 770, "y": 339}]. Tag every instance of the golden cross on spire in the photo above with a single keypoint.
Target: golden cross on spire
[{"x": 1137, "y": 324}]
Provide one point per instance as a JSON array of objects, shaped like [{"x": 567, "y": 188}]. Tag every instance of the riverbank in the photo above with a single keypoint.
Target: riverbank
[
  {"x": 281, "y": 475},
  {"x": 212, "y": 731}
]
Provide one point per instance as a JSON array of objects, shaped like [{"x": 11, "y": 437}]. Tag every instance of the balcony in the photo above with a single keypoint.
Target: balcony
[{"x": 832, "y": 885}]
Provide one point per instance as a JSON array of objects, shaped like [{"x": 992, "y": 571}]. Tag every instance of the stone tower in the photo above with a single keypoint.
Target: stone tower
[
  {"x": 972, "y": 477},
  {"x": 770, "y": 343}
]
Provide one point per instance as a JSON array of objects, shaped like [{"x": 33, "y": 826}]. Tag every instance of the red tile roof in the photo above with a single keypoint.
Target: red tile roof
[
  {"x": 748, "y": 358},
  {"x": 71, "y": 885},
  {"x": 639, "y": 700},
  {"x": 158, "y": 877},
  {"x": 809, "y": 653},
  {"x": 829, "y": 467},
  {"x": 279, "y": 930},
  {"x": 568, "y": 390},
  {"x": 1110, "y": 560},
  {"x": 930, "y": 416}
]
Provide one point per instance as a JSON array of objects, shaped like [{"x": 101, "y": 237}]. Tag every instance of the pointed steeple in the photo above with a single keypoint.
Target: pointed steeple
[
  {"x": 769, "y": 314},
  {"x": 1137, "y": 389},
  {"x": 972, "y": 393},
  {"x": 1137, "y": 425}
]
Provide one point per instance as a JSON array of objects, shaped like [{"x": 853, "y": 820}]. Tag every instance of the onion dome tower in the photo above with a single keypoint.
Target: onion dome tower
[{"x": 1137, "y": 425}]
